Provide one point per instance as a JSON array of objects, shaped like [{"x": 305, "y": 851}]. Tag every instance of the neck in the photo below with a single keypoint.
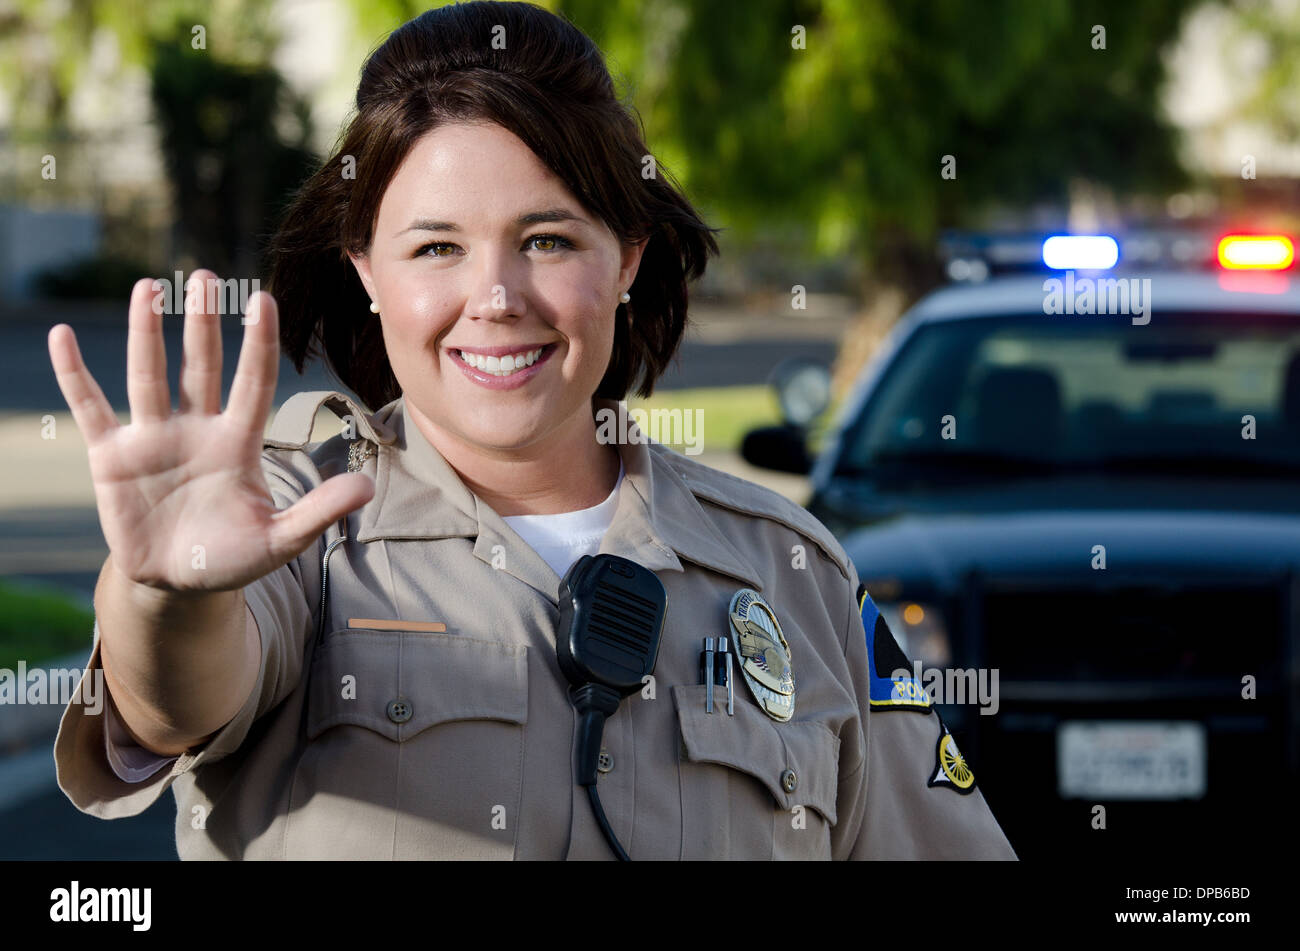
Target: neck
[{"x": 567, "y": 471}]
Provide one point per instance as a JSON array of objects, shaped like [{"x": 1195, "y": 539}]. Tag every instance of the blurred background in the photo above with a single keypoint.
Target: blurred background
[{"x": 845, "y": 148}]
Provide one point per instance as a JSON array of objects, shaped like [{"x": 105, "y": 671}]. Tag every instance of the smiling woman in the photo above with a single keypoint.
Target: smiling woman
[
  {"x": 358, "y": 648},
  {"x": 468, "y": 320},
  {"x": 549, "y": 118},
  {"x": 498, "y": 210}
]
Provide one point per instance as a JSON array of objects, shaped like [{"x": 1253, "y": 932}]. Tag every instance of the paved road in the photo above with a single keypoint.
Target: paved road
[{"x": 45, "y": 825}]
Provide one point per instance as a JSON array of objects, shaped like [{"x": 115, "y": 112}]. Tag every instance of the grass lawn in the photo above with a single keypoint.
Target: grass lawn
[
  {"x": 38, "y": 625},
  {"x": 728, "y": 412},
  {"x": 724, "y": 414}
]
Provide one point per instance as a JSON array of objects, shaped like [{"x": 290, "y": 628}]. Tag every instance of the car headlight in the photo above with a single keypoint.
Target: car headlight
[{"x": 920, "y": 631}]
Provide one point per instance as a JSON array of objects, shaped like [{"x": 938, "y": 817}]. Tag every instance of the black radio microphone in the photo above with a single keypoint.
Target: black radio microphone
[{"x": 611, "y": 617}]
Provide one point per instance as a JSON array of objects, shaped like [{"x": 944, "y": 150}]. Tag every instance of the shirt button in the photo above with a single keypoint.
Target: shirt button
[
  {"x": 789, "y": 781},
  {"x": 605, "y": 762},
  {"x": 399, "y": 711}
]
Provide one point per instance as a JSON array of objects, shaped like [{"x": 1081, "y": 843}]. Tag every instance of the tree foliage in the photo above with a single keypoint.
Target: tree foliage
[{"x": 845, "y": 137}]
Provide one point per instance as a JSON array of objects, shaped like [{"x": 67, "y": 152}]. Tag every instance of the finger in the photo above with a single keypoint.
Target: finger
[
  {"x": 200, "y": 387},
  {"x": 259, "y": 363},
  {"x": 146, "y": 361},
  {"x": 296, "y": 527},
  {"x": 93, "y": 415}
]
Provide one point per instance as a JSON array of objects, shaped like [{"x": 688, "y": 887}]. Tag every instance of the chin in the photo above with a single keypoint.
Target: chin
[{"x": 511, "y": 433}]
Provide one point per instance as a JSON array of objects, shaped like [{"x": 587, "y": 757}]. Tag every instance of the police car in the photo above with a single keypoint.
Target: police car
[{"x": 1074, "y": 495}]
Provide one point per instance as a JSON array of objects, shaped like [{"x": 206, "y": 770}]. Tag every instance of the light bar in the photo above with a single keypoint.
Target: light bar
[
  {"x": 1256, "y": 252},
  {"x": 1084, "y": 252}
]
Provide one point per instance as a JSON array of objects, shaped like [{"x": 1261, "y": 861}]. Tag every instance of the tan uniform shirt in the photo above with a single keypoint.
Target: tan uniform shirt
[{"x": 381, "y": 743}]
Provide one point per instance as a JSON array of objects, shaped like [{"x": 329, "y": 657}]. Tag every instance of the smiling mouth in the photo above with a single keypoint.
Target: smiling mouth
[{"x": 506, "y": 365}]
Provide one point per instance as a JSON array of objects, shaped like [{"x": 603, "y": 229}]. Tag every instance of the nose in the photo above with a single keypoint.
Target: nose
[{"x": 496, "y": 290}]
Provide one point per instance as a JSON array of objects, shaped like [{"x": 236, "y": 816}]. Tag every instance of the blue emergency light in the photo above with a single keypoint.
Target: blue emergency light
[{"x": 1080, "y": 252}]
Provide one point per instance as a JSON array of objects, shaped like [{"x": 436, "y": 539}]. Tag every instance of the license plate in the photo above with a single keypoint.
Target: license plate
[{"x": 1130, "y": 760}]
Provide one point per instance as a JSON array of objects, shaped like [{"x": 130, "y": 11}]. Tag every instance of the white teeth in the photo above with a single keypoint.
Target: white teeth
[{"x": 501, "y": 366}]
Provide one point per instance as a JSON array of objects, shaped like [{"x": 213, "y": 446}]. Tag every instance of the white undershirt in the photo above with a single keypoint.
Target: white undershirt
[
  {"x": 560, "y": 539},
  {"x": 563, "y": 538}
]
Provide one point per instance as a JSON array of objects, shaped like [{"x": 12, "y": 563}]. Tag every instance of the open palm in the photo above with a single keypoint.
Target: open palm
[{"x": 181, "y": 496}]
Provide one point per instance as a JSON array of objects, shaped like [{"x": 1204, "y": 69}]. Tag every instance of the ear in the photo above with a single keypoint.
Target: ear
[
  {"x": 362, "y": 263},
  {"x": 631, "y": 261}
]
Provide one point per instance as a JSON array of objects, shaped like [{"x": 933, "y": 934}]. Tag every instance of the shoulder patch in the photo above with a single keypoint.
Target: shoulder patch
[
  {"x": 884, "y": 658},
  {"x": 740, "y": 495},
  {"x": 951, "y": 771}
]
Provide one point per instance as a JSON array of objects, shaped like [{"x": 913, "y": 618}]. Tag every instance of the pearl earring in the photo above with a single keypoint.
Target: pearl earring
[
  {"x": 374, "y": 307},
  {"x": 625, "y": 297}
]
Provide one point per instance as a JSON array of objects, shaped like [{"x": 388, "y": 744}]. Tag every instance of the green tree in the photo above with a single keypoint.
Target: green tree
[
  {"x": 233, "y": 135},
  {"x": 844, "y": 138},
  {"x": 229, "y": 165},
  {"x": 1273, "y": 29}
]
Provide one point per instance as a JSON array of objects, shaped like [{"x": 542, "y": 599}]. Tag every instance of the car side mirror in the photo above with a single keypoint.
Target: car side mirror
[
  {"x": 803, "y": 388},
  {"x": 781, "y": 448}
]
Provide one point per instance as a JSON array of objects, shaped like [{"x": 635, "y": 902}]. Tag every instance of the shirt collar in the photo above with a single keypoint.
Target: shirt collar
[{"x": 658, "y": 522}]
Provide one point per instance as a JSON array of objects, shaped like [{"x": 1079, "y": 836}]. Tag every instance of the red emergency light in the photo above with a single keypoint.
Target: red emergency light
[{"x": 1256, "y": 252}]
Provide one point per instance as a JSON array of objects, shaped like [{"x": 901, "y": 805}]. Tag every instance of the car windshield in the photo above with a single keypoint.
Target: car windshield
[{"x": 1193, "y": 394}]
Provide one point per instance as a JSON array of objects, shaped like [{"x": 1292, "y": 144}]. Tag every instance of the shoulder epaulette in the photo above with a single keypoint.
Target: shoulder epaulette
[
  {"x": 726, "y": 491},
  {"x": 293, "y": 423}
]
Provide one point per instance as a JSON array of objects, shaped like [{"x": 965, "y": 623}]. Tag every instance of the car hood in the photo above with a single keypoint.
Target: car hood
[{"x": 938, "y": 550}]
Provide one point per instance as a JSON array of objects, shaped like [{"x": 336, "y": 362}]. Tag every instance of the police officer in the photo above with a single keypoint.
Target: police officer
[{"x": 347, "y": 648}]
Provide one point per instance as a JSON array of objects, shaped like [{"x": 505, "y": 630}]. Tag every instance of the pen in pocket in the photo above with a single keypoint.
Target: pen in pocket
[{"x": 706, "y": 673}]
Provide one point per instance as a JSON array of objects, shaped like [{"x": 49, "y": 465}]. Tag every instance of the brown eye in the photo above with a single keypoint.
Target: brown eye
[
  {"x": 434, "y": 248},
  {"x": 553, "y": 242}
]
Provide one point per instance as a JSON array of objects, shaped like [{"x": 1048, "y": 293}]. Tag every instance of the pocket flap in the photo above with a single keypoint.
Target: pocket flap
[
  {"x": 399, "y": 684},
  {"x": 754, "y": 743}
]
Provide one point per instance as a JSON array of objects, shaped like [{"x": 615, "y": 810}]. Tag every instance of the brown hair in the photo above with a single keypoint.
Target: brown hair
[{"x": 550, "y": 87}]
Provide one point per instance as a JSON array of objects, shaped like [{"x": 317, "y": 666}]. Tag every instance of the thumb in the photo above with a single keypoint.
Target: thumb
[{"x": 296, "y": 527}]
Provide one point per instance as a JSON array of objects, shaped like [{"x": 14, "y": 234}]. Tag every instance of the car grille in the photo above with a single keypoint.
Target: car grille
[
  {"x": 1138, "y": 651},
  {"x": 1179, "y": 635}
]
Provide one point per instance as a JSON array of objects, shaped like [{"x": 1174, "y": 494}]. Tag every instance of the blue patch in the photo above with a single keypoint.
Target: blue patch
[{"x": 884, "y": 657}]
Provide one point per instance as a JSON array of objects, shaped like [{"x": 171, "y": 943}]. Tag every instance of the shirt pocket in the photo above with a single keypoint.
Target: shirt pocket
[
  {"x": 413, "y": 748},
  {"x": 752, "y": 788}
]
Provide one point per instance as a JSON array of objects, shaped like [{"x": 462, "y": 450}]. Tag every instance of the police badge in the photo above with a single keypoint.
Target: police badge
[{"x": 763, "y": 653}]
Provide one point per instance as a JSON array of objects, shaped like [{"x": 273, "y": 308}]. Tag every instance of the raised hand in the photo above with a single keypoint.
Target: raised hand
[{"x": 181, "y": 496}]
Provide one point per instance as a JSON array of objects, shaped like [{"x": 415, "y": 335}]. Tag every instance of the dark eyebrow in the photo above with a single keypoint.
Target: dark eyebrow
[{"x": 532, "y": 218}]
